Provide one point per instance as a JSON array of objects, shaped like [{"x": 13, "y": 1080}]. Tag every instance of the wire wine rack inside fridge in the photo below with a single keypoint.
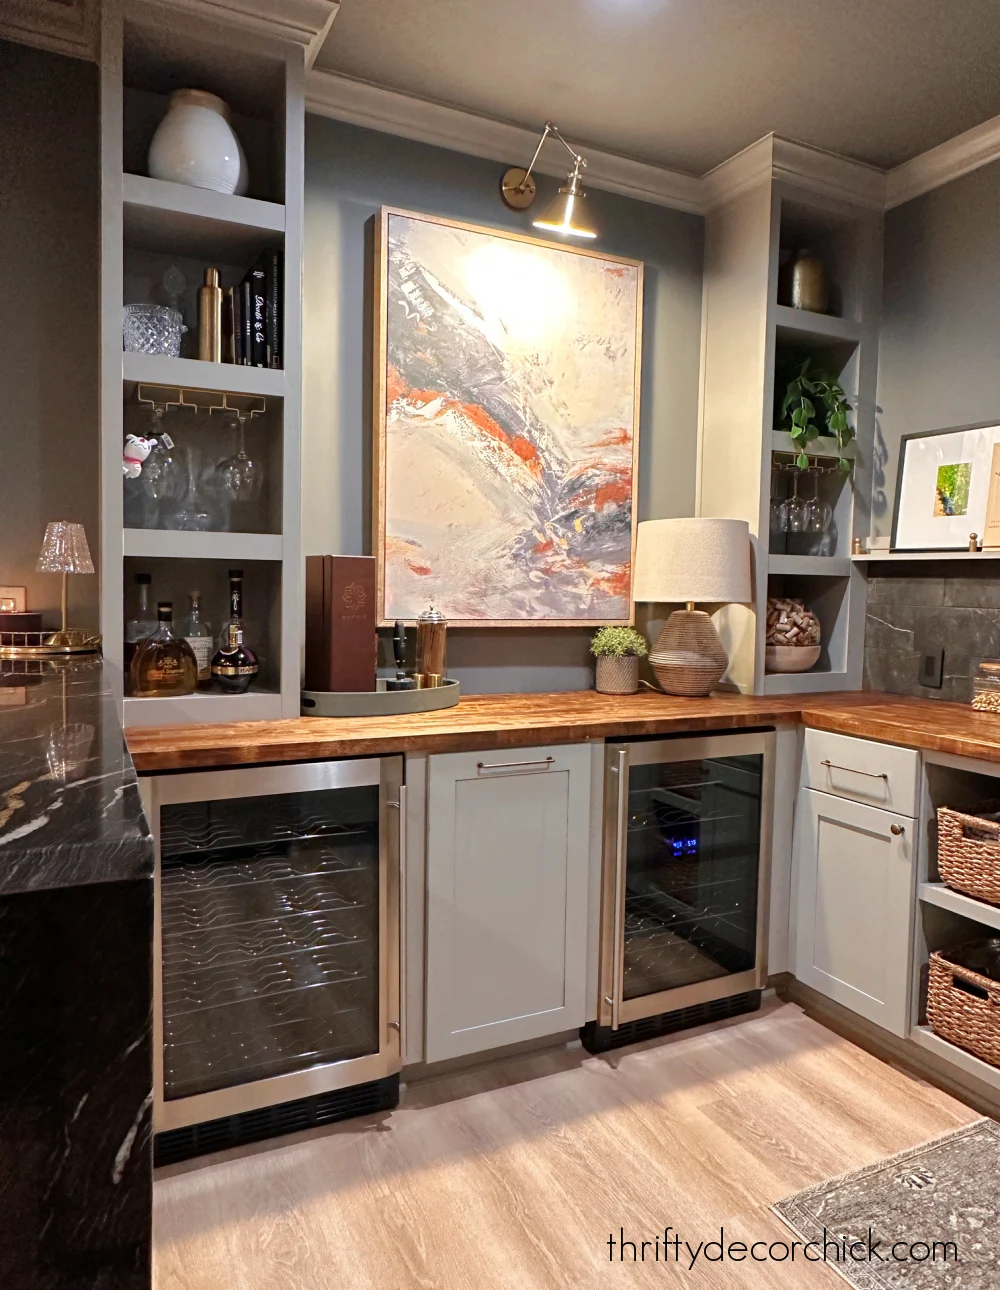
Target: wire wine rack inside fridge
[{"x": 269, "y": 924}]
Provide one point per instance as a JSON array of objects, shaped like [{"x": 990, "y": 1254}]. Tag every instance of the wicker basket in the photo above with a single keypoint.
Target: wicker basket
[
  {"x": 963, "y": 997},
  {"x": 969, "y": 854},
  {"x": 617, "y": 674}
]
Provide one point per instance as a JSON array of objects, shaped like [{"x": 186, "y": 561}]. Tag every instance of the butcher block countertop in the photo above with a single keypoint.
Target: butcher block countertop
[{"x": 520, "y": 720}]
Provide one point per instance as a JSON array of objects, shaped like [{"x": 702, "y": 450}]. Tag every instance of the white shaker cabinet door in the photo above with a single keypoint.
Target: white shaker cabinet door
[
  {"x": 855, "y": 905},
  {"x": 507, "y": 880}
]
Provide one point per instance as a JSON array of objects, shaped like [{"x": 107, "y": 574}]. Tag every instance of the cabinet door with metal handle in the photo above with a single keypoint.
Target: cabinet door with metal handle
[
  {"x": 856, "y": 877},
  {"x": 508, "y": 867}
]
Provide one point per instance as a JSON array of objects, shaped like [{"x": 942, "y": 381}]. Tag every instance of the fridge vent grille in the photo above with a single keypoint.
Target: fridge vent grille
[
  {"x": 272, "y": 1121},
  {"x": 598, "y": 1039}
]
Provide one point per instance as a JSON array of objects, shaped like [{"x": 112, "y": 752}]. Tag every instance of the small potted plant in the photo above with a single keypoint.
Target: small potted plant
[
  {"x": 618, "y": 651},
  {"x": 814, "y": 406}
]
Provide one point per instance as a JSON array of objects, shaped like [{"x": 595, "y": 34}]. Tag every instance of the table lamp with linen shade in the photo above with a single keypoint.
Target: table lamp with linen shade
[{"x": 702, "y": 560}]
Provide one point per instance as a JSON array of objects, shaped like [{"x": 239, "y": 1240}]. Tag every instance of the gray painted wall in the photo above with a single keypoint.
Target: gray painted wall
[
  {"x": 49, "y": 356},
  {"x": 940, "y": 319},
  {"x": 937, "y": 368},
  {"x": 350, "y": 173}
]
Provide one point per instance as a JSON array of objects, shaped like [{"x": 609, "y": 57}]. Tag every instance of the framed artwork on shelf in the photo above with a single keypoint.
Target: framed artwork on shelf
[
  {"x": 506, "y": 378},
  {"x": 943, "y": 488}
]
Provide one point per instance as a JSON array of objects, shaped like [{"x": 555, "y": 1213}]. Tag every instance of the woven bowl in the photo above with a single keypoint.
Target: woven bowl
[{"x": 791, "y": 658}]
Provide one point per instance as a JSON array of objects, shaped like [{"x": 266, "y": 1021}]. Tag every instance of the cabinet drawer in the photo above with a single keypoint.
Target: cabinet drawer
[{"x": 862, "y": 771}]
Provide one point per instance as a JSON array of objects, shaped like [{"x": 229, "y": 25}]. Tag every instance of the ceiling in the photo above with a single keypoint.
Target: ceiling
[{"x": 687, "y": 83}]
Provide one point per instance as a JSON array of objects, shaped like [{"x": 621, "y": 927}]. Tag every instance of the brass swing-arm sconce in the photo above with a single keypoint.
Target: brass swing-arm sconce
[{"x": 568, "y": 213}]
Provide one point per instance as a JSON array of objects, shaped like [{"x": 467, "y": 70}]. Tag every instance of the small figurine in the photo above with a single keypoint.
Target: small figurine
[{"x": 135, "y": 453}]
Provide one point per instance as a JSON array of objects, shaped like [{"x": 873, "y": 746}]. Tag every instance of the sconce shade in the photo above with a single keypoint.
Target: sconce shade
[
  {"x": 693, "y": 560},
  {"x": 568, "y": 213},
  {"x": 65, "y": 549}
]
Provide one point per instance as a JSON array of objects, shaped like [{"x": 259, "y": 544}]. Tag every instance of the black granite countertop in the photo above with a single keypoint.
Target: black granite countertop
[{"x": 70, "y": 813}]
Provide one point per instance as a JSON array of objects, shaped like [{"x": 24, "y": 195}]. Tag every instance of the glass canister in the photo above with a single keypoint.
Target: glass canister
[
  {"x": 986, "y": 686},
  {"x": 432, "y": 629}
]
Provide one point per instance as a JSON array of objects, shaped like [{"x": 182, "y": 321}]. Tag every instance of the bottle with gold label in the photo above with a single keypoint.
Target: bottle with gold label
[
  {"x": 234, "y": 666},
  {"x": 163, "y": 665}
]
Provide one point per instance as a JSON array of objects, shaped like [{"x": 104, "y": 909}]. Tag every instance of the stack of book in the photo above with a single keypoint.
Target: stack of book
[{"x": 252, "y": 315}]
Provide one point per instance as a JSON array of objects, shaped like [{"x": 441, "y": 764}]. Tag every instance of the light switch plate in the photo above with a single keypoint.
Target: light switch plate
[{"x": 932, "y": 669}]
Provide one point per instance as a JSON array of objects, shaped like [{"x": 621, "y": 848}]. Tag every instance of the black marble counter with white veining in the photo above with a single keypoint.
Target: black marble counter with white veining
[
  {"x": 76, "y": 936},
  {"x": 69, "y": 806}
]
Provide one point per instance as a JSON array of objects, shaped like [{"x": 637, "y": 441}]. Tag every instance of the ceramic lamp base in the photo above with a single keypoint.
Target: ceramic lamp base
[{"x": 688, "y": 658}]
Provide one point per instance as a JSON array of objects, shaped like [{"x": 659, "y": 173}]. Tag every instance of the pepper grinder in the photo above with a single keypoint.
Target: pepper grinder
[
  {"x": 402, "y": 681},
  {"x": 432, "y": 628}
]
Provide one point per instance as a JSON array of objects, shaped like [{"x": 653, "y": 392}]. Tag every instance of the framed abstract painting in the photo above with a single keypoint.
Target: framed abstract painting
[
  {"x": 506, "y": 408},
  {"x": 943, "y": 487}
]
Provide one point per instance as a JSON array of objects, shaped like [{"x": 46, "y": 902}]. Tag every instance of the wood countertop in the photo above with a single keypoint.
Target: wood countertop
[{"x": 520, "y": 720}]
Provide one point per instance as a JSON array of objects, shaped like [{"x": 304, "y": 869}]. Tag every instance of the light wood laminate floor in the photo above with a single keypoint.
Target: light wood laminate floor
[{"x": 513, "y": 1178}]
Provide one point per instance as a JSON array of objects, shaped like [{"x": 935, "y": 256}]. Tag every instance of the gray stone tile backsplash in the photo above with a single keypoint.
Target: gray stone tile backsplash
[{"x": 917, "y": 608}]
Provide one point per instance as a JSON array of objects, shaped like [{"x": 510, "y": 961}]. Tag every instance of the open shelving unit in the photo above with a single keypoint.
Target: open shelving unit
[
  {"x": 149, "y": 225},
  {"x": 748, "y": 339},
  {"x": 945, "y": 917}
]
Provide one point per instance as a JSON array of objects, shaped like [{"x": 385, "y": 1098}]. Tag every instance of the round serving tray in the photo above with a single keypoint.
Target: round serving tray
[{"x": 380, "y": 702}]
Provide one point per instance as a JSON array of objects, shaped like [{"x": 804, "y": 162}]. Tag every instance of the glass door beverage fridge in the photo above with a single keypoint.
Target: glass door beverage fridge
[
  {"x": 277, "y": 949},
  {"x": 684, "y": 883}
]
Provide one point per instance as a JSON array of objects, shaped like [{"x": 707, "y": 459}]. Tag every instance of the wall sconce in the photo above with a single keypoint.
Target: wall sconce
[{"x": 568, "y": 212}]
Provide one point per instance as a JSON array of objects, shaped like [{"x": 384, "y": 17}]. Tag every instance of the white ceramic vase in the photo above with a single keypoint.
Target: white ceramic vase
[{"x": 195, "y": 144}]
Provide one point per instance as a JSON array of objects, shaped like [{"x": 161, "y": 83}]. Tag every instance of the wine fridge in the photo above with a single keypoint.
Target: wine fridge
[
  {"x": 277, "y": 997},
  {"x": 684, "y": 890}
]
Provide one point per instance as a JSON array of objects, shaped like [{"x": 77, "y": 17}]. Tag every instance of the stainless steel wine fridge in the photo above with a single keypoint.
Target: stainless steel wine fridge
[
  {"x": 686, "y": 864},
  {"x": 277, "y": 949}
]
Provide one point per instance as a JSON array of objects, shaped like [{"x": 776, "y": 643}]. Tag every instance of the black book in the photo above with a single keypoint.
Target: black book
[
  {"x": 236, "y": 295},
  {"x": 246, "y": 321},
  {"x": 275, "y": 281},
  {"x": 258, "y": 306}
]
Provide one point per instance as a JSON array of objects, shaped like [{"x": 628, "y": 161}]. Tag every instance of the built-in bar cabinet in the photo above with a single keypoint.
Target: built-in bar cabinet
[{"x": 148, "y": 227}]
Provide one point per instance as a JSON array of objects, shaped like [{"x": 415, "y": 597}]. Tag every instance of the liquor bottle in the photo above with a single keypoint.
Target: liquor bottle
[
  {"x": 198, "y": 635},
  {"x": 143, "y": 625},
  {"x": 164, "y": 665},
  {"x": 235, "y": 664}
]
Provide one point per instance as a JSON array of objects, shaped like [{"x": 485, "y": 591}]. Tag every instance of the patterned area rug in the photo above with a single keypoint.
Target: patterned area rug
[{"x": 927, "y": 1219}]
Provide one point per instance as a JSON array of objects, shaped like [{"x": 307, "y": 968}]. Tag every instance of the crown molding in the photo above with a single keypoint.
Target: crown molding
[
  {"x": 828, "y": 174},
  {"x": 360, "y": 103},
  {"x": 740, "y": 173},
  {"x": 293, "y": 22},
  {"x": 949, "y": 160},
  {"x": 67, "y": 27}
]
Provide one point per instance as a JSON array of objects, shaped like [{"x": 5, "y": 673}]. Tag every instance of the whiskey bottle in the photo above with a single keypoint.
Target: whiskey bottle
[
  {"x": 235, "y": 663},
  {"x": 198, "y": 635},
  {"x": 164, "y": 665}
]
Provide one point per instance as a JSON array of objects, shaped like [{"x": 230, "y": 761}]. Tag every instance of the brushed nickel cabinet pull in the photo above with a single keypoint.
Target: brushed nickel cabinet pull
[
  {"x": 896, "y": 830},
  {"x": 869, "y": 774},
  {"x": 400, "y": 1025},
  {"x": 621, "y": 846},
  {"x": 507, "y": 765}
]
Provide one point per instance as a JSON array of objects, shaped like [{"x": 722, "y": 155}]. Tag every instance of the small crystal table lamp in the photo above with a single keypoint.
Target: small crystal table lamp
[
  {"x": 690, "y": 560},
  {"x": 64, "y": 550}
]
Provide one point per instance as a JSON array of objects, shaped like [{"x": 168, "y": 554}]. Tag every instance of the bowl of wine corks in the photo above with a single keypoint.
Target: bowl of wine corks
[{"x": 792, "y": 642}]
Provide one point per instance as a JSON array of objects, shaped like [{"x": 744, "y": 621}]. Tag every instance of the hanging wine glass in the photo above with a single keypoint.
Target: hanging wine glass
[
  {"x": 242, "y": 477},
  {"x": 818, "y": 513},
  {"x": 793, "y": 509},
  {"x": 775, "y": 525},
  {"x": 164, "y": 473}
]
